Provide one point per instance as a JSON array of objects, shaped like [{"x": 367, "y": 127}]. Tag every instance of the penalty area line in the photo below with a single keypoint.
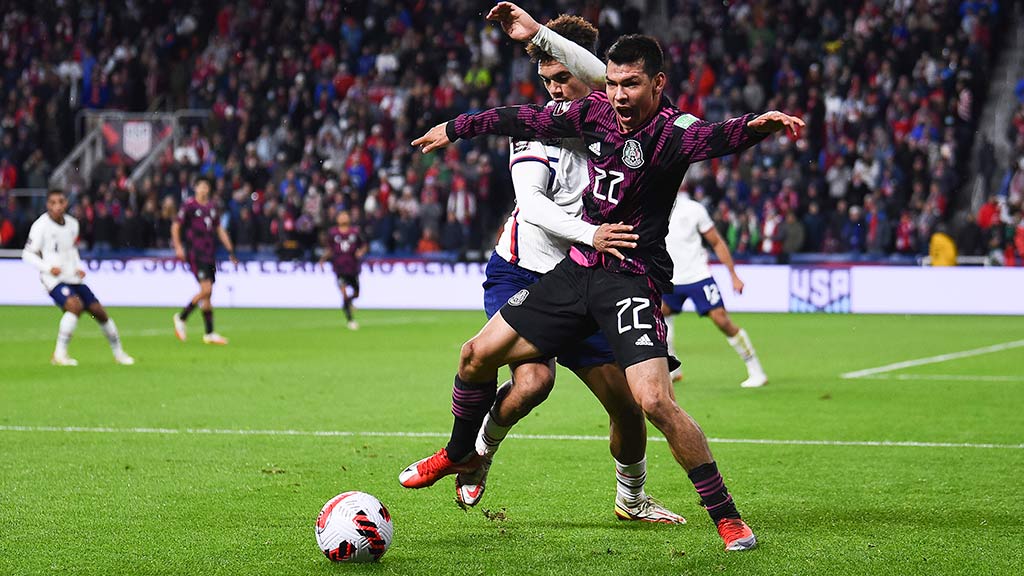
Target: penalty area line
[
  {"x": 569, "y": 437},
  {"x": 932, "y": 360}
]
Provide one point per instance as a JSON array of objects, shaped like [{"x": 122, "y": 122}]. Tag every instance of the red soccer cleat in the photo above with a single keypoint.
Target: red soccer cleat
[
  {"x": 736, "y": 534},
  {"x": 425, "y": 472}
]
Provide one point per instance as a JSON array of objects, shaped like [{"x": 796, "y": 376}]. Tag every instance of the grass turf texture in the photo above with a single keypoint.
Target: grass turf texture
[{"x": 198, "y": 503}]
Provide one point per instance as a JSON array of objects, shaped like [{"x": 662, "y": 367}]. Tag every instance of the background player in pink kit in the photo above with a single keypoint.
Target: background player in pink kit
[
  {"x": 201, "y": 222},
  {"x": 345, "y": 249}
]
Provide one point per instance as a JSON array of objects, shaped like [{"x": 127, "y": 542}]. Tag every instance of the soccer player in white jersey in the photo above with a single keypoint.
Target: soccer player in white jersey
[
  {"x": 52, "y": 248},
  {"x": 691, "y": 277},
  {"x": 549, "y": 179}
]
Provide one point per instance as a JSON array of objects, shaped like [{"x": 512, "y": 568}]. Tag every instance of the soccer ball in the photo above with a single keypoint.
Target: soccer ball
[{"x": 354, "y": 527}]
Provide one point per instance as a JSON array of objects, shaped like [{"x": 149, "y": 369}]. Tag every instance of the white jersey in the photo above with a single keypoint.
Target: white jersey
[
  {"x": 549, "y": 180},
  {"x": 686, "y": 226},
  {"x": 54, "y": 245}
]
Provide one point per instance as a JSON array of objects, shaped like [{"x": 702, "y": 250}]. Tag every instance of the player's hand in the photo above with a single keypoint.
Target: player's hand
[
  {"x": 55, "y": 270},
  {"x": 179, "y": 254},
  {"x": 80, "y": 273},
  {"x": 737, "y": 284},
  {"x": 773, "y": 121},
  {"x": 610, "y": 237},
  {"x": 233, "y": 258},
  {"x": 515, "y": 21},
  {"x": 436, "y": 138}
]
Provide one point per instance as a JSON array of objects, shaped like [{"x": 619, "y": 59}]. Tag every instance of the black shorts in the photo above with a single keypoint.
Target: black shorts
[
  {"x": 350, "y": 280},
  {"x": 204, "y": 271},
  {"x": 571, "y": 302}
]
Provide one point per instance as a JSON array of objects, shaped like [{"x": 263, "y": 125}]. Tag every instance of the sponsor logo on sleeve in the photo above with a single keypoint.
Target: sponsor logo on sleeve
[
  {"x": 561, "y": 108},
  {"x": 632, "y": 154}
]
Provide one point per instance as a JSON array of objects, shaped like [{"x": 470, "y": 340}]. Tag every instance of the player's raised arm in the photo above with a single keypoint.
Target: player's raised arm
[
  {"x": 529, "y": 122},
  {"x": 697, "y": 140},
  {"x": 519, "y": 25}
]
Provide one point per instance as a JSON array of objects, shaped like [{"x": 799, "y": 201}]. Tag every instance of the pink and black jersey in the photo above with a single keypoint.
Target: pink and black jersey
[
  {"x": 345, "y": 247},
  {"x": 633, "y": 176},
  {"x": 199, "y": 223}
]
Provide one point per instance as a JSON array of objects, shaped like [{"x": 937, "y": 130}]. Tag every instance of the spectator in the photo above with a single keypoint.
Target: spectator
[
  {"x": 793, "y": 237},
  {"x": 453, "y": 238},
  {"x": 428, "y": 243},
  {"x": 814, "y": 229},
  {"x": 941, "y": 248},
  {"x": 854, "y": 233},
  {"x": 969, "y": 237}
]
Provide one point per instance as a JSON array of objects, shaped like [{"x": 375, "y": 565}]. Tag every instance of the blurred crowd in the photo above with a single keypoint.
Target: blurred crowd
[
  {"x": 312, "y": 105},
  {"x": 999, "y": 224}
]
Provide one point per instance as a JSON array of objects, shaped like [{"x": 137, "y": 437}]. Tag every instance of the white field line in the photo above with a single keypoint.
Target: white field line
[
  {"x": 442, "y": 435},
  {"x": 90, "y": 333},
  {"x": 933, "y": 359},
  {"x": 946, "y": 377}
]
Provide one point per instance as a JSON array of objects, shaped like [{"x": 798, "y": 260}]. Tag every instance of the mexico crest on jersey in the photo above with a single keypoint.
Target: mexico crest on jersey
[{"x": 632, "y": 154}]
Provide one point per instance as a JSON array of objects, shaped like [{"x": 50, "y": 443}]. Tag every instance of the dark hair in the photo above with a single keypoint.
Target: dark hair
[
  {"x": 637, "y": 48},
  {"x": 53, "y": 191},
  {"x": 570, "y": 27},
  {"x": 207, "y": 179}
]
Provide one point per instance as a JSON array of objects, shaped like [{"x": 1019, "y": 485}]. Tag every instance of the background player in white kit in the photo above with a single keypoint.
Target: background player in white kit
[
  {"x": 549, "y": 179},
  {"x": 52, "y": 248},
  {"x": 691, "y": 277}
]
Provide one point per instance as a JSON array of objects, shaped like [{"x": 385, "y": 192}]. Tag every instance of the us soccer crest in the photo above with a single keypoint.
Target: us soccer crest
[
  {"x": 518, "y": 298},
  {"x": 632, "y": 154}
]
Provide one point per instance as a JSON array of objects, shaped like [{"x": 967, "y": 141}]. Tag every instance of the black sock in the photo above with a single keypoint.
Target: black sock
[
  {"x": 470, "y": 404},
  {"x": 208, "y": 320},
  {"x": 186, "y": 311},
  {"x": 714, "y": 496},
  {"x": 348, "y": 311}
]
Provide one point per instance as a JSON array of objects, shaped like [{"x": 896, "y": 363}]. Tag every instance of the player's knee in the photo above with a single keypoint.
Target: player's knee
[
  {"x": 473, "y": 358},
  {"x": 659, "y": 408},
  {"x": 74, "y": 305},
  {"x": 627, "y": 416},
  {"x": 534, "y": 384}
]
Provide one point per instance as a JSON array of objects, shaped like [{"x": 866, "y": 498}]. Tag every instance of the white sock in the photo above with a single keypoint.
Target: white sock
[
  {"x": 741, "y": 344},
  {"x": 65, "y": 330},
  {"x": 490, "y": 436},
  {"x": 110, "y": 329},
  {"x": 630, "y": 480}
]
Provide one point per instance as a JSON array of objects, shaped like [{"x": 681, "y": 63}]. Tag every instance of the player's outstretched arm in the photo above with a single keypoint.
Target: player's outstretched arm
[
  {"x": 527, "y": 122},
  {"x": 696, "y": 140},
  {"x": 721, "y": 249},
  {"x": 519, "y": 25},
  {"x": 771, "y": 122}
]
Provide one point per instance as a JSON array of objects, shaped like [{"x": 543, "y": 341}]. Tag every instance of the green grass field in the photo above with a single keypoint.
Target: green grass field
[{"x": 204, "y": 460}]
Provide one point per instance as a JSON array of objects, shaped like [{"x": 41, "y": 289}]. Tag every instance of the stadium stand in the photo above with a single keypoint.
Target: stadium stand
[{"x": 312, "y": 105}]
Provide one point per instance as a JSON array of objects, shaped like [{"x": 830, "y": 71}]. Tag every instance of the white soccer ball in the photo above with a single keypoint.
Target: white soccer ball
[{"x": 354, "y": 527}]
